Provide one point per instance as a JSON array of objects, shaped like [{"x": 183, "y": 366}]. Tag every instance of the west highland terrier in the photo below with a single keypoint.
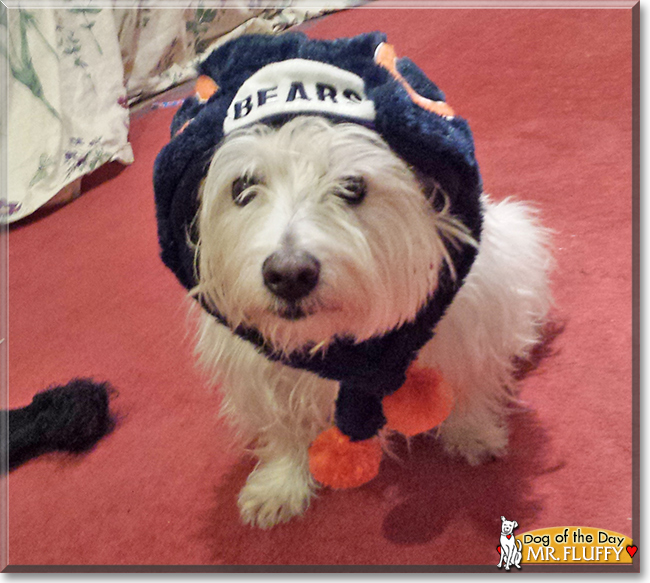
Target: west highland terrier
[{"x": 322, "y": 203}]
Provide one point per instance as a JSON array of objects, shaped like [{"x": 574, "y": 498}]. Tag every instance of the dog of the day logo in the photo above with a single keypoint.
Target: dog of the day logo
[
  {"x": 576, "y": 545},
  {"x": 509, "y": 547}
]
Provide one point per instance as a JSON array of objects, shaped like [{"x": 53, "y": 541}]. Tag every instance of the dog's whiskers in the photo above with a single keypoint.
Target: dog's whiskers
[{"x": 317, "y": 347}]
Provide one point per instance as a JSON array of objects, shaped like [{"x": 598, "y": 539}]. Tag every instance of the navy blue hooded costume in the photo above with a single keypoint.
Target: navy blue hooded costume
[{"x": 435, "y": 146}]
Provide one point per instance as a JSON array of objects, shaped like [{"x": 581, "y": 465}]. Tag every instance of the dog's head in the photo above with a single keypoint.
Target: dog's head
[
  {"x": 307, "y": 226},
  {"x": 313, "y": 230},
  {"x": 508, "y": 526}
]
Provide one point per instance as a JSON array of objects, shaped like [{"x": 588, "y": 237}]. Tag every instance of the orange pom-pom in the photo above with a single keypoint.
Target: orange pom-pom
[
  {"x": 205, "y": 88},
  {"x": 424, "y": 401},
  {"x": 337, "y": 462}
]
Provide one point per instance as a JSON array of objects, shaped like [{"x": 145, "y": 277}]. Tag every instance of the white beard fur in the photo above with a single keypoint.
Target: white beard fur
[{"x": 380, "y": 263}]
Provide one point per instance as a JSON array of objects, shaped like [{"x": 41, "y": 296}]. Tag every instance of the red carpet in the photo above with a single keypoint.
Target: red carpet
[{"x": 549, "y": 98}]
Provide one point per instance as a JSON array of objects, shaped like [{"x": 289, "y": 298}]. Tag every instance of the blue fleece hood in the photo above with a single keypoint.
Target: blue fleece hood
[{"x": 266, "y": 79}]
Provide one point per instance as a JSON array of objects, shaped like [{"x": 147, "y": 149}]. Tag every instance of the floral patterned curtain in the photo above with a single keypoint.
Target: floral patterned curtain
[{"x": 67, "y": 106}]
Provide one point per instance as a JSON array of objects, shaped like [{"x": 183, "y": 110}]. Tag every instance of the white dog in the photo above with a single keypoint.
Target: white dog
[
  {"x": 510, "y": 546},
  {"x": 316, "y": 230}
]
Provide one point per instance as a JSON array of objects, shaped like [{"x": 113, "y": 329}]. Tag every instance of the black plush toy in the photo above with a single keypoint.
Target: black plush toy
[{"x": 68, "y": 418}]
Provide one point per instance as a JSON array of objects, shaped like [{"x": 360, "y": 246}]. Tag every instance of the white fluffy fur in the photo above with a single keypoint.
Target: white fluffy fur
[{"x": 379, "y": 263}]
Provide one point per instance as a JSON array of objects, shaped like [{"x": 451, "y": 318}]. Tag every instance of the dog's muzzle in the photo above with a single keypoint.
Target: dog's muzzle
[{"x": 291, "y": 274}]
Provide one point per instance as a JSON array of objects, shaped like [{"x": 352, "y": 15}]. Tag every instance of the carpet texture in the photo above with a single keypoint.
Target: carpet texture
[{"x": 548, "y": 94}]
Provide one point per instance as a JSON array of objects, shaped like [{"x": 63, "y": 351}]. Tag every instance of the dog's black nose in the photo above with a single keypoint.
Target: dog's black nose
[{"x": 290, "y": 275}]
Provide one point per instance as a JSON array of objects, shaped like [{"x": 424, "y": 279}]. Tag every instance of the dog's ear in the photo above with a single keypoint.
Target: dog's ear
[
  {"x": 515, "y": 524},
  {"x": 503, "y": 519}
]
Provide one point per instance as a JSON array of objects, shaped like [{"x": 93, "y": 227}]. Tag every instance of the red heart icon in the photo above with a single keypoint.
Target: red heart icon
[
  {"x": 632, "y": 550},
  {"x": 508, "y": 536},
  {"x": 499, "y": 549}
]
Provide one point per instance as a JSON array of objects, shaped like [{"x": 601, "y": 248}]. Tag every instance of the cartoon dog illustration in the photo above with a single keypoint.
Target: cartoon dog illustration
[{"x": 510, "y": 547}]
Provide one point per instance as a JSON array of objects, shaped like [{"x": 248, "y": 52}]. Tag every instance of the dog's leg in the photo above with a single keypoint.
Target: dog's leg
[
  {"x": 495, "y": 316},
  {"x": 518, "y": 554},
  {"x": 279, "y": 488},
  {"x": 277, "y": 412}
]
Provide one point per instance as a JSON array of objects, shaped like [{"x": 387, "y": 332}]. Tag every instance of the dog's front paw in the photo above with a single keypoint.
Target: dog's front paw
[
  {"x": 275, "y": 492},
  {"x": 475, "y": 444}
]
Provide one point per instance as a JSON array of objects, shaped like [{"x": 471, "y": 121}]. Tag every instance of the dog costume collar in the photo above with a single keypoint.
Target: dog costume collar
[{"x": 259, "y": 78}]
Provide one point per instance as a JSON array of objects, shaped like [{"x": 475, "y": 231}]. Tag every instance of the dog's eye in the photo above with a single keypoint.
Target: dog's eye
[
  {"x": 242, "y": 193},
  {"x": 353, "y": 190}
]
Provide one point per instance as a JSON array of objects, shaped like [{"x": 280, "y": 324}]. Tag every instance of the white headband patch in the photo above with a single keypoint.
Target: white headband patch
[{"x": 299, "y": 86}]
